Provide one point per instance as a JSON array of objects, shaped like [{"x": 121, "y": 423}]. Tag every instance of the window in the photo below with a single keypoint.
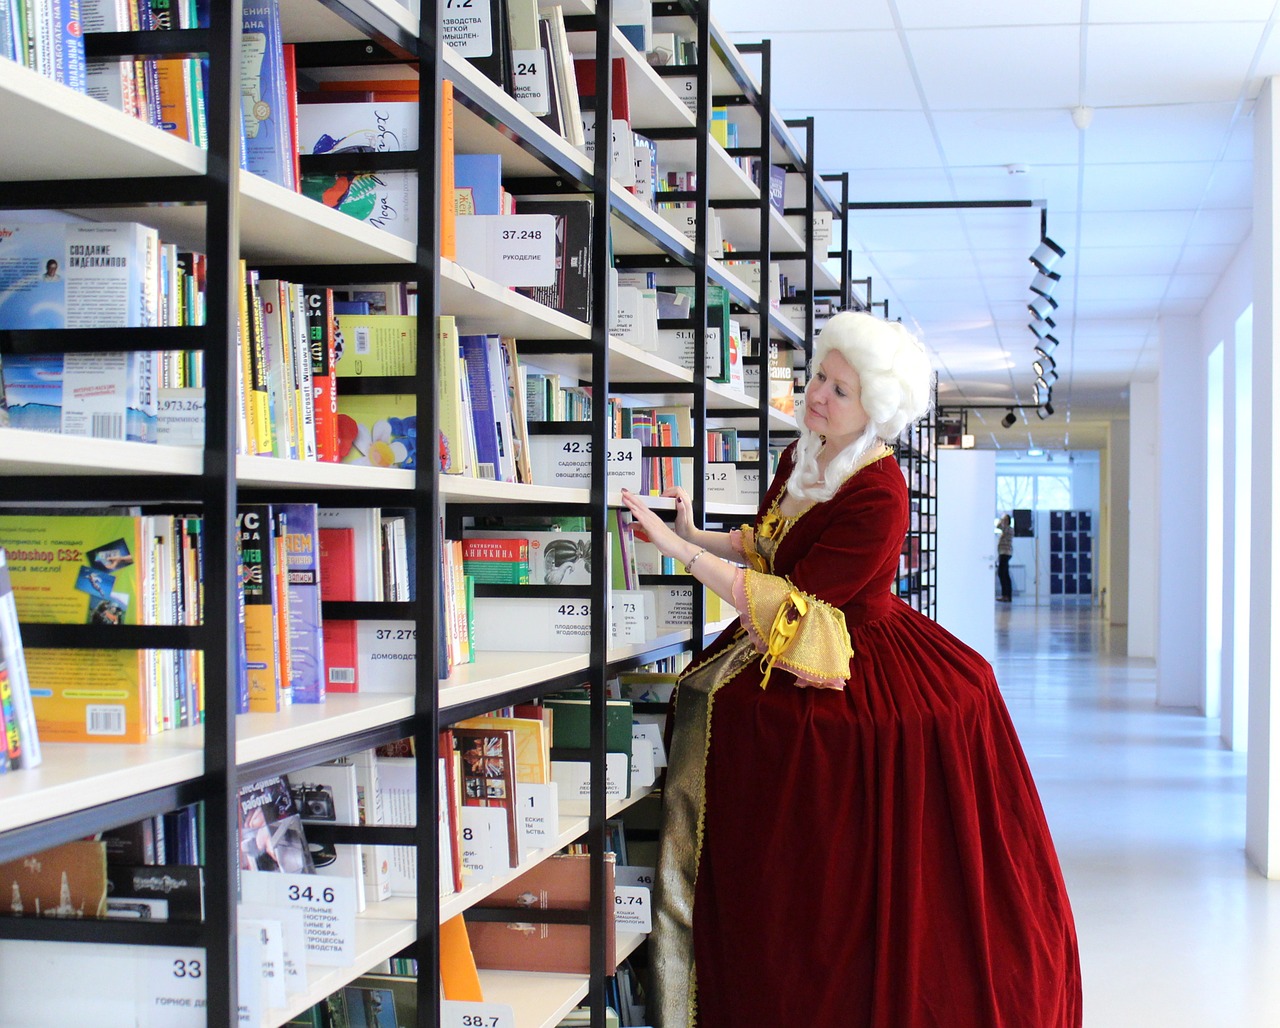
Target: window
[{"x": 1034, "y": 490}]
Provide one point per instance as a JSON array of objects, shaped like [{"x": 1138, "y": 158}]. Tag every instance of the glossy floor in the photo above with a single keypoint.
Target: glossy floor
[{"x": 1147, "y": 810}]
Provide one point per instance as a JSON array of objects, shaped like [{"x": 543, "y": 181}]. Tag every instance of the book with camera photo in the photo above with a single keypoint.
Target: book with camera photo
[{"x": 327, "y": 794}]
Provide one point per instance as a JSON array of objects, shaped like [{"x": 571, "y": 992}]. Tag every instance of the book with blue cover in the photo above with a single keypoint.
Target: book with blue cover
[
  {"x": 479, "y": 175},
  {"x": 302, "y": 579},
  {"x": 98, "y": 395},
  {"x": 263, "y": 99},
  {"x": 78, "y": 275}
]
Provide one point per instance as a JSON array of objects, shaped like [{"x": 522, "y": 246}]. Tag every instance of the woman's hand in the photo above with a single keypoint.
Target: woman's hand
[
  {"x": 659, "y": 532},
  {"x": 684, "y": 526}
]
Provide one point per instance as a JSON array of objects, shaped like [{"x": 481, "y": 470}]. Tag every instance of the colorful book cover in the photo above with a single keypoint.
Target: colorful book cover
[
  {"x": 172, "y": 892},
  {"x": 453, "y": 457},
  {"x": 76, "y": 275},
  {"x": 475, "y": 352},
  {"x": 337, "y": 564},
  {"x": 328, "y": 794},
  {"x": 75, "y": 569},
  {"x": 264, "y": 105},
  {"x": 258, "y": 384},
  {"x": 479, "y": 175},
  {"x": 322, "y": 335},
  {"x": 97, "y": 395},
  {"x": 89, "y": 695},
  {"x": 306, "y": 640},
  {"x": 270, "y": 828},
  {"x": 533, "y": 750},
  {"x": 66, "y": 881},
  {"x": 262, "y": 643},
  {"x": 16, "y": 668},
  {"x": 341, "y": 656},
  {"x": 68, "y": 45},
  {"x": 378, "y": 431},
  {"x": 488, "y": 775},
  {"x": 377, "y": 345}
]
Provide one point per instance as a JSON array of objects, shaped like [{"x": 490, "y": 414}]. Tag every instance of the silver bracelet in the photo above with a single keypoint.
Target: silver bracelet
[{"x": 688, "y": 564}]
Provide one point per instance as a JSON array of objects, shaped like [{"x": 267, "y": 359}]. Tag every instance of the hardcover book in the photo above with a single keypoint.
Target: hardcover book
[
  {"x": 66, "y": 881},
  {"x": 378, "y": 431},
  {"x": 21, "y": 740},
  {"x": 254, "y": 524},
  {"x": 170, "y": 892},
  {"x": 488, "y": 776},
  {"x": 377, "y": 346},
  {"x": 302, "y": 572},
  {"x": 561, "y": 882},
  {"x": 328, "y": 794},
  {"x": 268, "y": 141},
  {"x": 98, "y": 395},
  {"x": 571, "y": 291}
]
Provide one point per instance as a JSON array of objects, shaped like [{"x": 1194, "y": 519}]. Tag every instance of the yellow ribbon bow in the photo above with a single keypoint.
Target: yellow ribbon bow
[{"x": 783, "y": 630}]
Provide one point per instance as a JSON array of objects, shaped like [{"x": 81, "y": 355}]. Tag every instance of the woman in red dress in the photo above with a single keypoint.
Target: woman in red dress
[{"x": 851, "y": 835}]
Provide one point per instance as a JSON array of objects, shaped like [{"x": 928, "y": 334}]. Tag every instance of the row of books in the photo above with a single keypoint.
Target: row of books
[{"x": 19, "y": 732}]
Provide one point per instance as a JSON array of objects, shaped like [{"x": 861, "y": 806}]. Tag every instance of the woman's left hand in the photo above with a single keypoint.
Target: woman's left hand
[{"x": 659, "y": 532}]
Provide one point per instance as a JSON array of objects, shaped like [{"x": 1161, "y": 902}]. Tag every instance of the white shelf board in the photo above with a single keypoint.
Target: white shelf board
[
  {"x": 715, "y": 628},
  {"x": 89, "y": 139},
  {"x": 259, "y": 736},
  {"x": 635, "y": 233},
  {"x": 727, "y": 180},
  {"x": 307, "y": 21},
  {"x": 483, "y": 306},
  {"x": 746, "y": 510},
  {"x": 721, "y": 396},
  {"x": 274, "y": 472},
  {"x": 473, "y": 133},
  {"x": 782, "y": 422},
  {"x": 43, "y": 453},
  {"x": 75, "y": 776},
  {"x": 376, "y": 939},
  {"x": 542, "y": 1000},
  {"x": 633, "y": 650},
  {"x": 493, "y": 673},
  {"x": 627, "y": 363},
  {"x": 652, "y": 103},
  {"x": 572, "y": 8},
  {"x": 736, "y": 284},
  {"x": 460, "y": 489},
  {"x": 276, "y": 225},
  {"x": 741, "y": 226}
]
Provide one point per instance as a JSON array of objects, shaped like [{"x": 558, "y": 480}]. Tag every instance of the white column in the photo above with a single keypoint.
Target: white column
[
  {"x": 1183, "y": 416},
  {"x": 1231, "y": 571},
  {"x": 1144, "y": 517},
  {"x": 1262, "y": 818},
  {"x": 1118, "y": 510}
]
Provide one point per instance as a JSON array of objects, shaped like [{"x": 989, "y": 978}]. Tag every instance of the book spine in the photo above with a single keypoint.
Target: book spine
[
  {"x": 322, "y": 342},
  {"x": 261, "y": 631},
  {"x": 306, "y": 669}
]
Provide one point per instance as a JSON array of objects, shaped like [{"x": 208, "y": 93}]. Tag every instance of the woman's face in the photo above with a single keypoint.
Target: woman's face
[{"x": 833, "y": 402}]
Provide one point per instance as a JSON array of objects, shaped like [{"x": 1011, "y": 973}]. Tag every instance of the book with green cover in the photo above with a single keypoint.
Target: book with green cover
[{"x": 75, "y": 569}]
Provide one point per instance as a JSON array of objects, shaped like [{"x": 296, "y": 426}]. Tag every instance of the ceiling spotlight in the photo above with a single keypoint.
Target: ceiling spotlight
[
  {"x": 1045, "y": 412},
  {"x": 1008, "y": 420},
  {"x": 1048, "y": 376},
  {"x": 1041, "y": 392},
  {"x": 1047, "y": 345},
  {"x": 1043, "y": 328},
  {"x": 1047, "y": 254},
  {"x": 1043, "y": 284},
  {"x": 1042, "y": 363},
  {"x": 1042, "y": 307}
]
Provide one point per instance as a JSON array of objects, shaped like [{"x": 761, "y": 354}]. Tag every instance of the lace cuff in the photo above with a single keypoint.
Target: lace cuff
[{"x": 793, "y": 630}]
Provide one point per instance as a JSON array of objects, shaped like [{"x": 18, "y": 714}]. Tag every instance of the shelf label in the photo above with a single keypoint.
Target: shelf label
[
  {"x": 510, "y": 249},
  {"x": 632, "y": 909},
  {"x": 687, "y": 90},
  {"x": 722, "y": 483},
  {"x": 652, "y": 735},
  {"x": 180, "y": 417},
  {"x": 566, "y": 461},
  {"x": 635, "y": 874},
  {"x": 539, "y": 810},
  {"x": 468, "y": 27},
  {"x": 533, "y": 90},
  {"x": 574, "y": 777},
  {"x": 172, "y": 989},
  {"x": 328, "y": 907},
  {"x": 484, "y": 830},
  {"x": 627, "y": 617},
  {"x": 643, "y": 772},
  {"x": 749, "y": 484},
  {"x": 454, "y": 1014}
]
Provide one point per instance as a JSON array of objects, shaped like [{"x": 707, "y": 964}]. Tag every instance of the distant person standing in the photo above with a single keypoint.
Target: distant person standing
[{"x": 1005, "y": 552}]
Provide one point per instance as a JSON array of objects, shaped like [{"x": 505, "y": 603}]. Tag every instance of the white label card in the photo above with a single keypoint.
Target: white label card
[
  {"x": 476, "y": 1015},
  {"x": 632, "y": 908},
  {"x": 251, "y": 951},
  {"x": 722, "y": 483},
  {"x": 174, "y": 995},
  {"x": 529, "y": 70},
  {"x": 652, "y": 734},
  {"x": 687, "y": 90},
  {"x": 628, "y": 874},
  {"x": 643, "y": 772},
  {"x": 482, "y": 829},
  {"x": 266, "y": 937},
  {"x": 293, "y": 939},
  {"x": 468, "y": 27},
  {"x": 510, "y": 249},
  {"x": 540, "y": 813},
  {"x": 328, "y": 907},
  {"x": 566, "y": 461},
  {"x": 574, "y": 779}
]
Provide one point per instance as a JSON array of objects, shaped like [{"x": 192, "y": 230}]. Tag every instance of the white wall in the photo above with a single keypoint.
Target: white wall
[
  {"x": 1180, "y": 645},
  {"x": 1262, "y": 817},
  {"x": 1144, "y": 517},
  {"x": 1116, "y": 520}
]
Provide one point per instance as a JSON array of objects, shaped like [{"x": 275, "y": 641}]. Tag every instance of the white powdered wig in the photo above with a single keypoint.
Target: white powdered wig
[{"x": 896, "y": 379}]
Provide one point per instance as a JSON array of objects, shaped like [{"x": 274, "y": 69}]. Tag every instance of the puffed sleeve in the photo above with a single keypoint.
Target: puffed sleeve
[{"x": 795, "y": 621}]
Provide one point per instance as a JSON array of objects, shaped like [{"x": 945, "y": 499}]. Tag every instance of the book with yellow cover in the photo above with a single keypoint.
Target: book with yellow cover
[
  {"x": 89, "y": 695},
  {"x": 75, "y": 569},
  {"x": 377, "y": 345},
  {"x": 533, "y": 750}
]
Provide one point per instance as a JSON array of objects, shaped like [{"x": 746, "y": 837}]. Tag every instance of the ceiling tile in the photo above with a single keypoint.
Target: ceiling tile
[
  {"x": 997, "y": 138},
  {"x": 997, "y": 68},
  {"x": 855, "y": 140},
  {"x": 1168, "y": 63},
  {"x": 1143, "y": 11},
  {"x": 899, "y": 184},
  {"x": 1149, "y": 288},
  {"x": 752, "y": 17},
  {"x": 1191, "y": 287},
  {"x": 1209, "y": 260},
  {"x": 918, "y": 14},
  {"x": 1166, "y": 132},
  {"x": 1141, "y": 228},
  {"x": 1231, "y": 185},
  {"x": 1222, "y": 227},
  {"x": 1166, "y": 185},
  {"x": 907, "y": 230},
  {"x": 866, "y": 71},
  {"x": 1127, "y": 260}
]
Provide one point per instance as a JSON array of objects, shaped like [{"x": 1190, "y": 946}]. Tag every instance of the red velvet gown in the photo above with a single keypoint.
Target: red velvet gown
[{"x": 873, "y": 855}]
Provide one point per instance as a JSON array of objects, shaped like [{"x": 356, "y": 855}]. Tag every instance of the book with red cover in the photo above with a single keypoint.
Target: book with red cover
[
  {"x": 584, "y": 69},
  {"x": 495, "y": 549},
  {"x": 489, "y": 775},
  {"x": 291, "y": 98},
  {"x": 341, "y": 656},
  {"x": 557, "y": 883},
  {"x": 338, "y": 564}
]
